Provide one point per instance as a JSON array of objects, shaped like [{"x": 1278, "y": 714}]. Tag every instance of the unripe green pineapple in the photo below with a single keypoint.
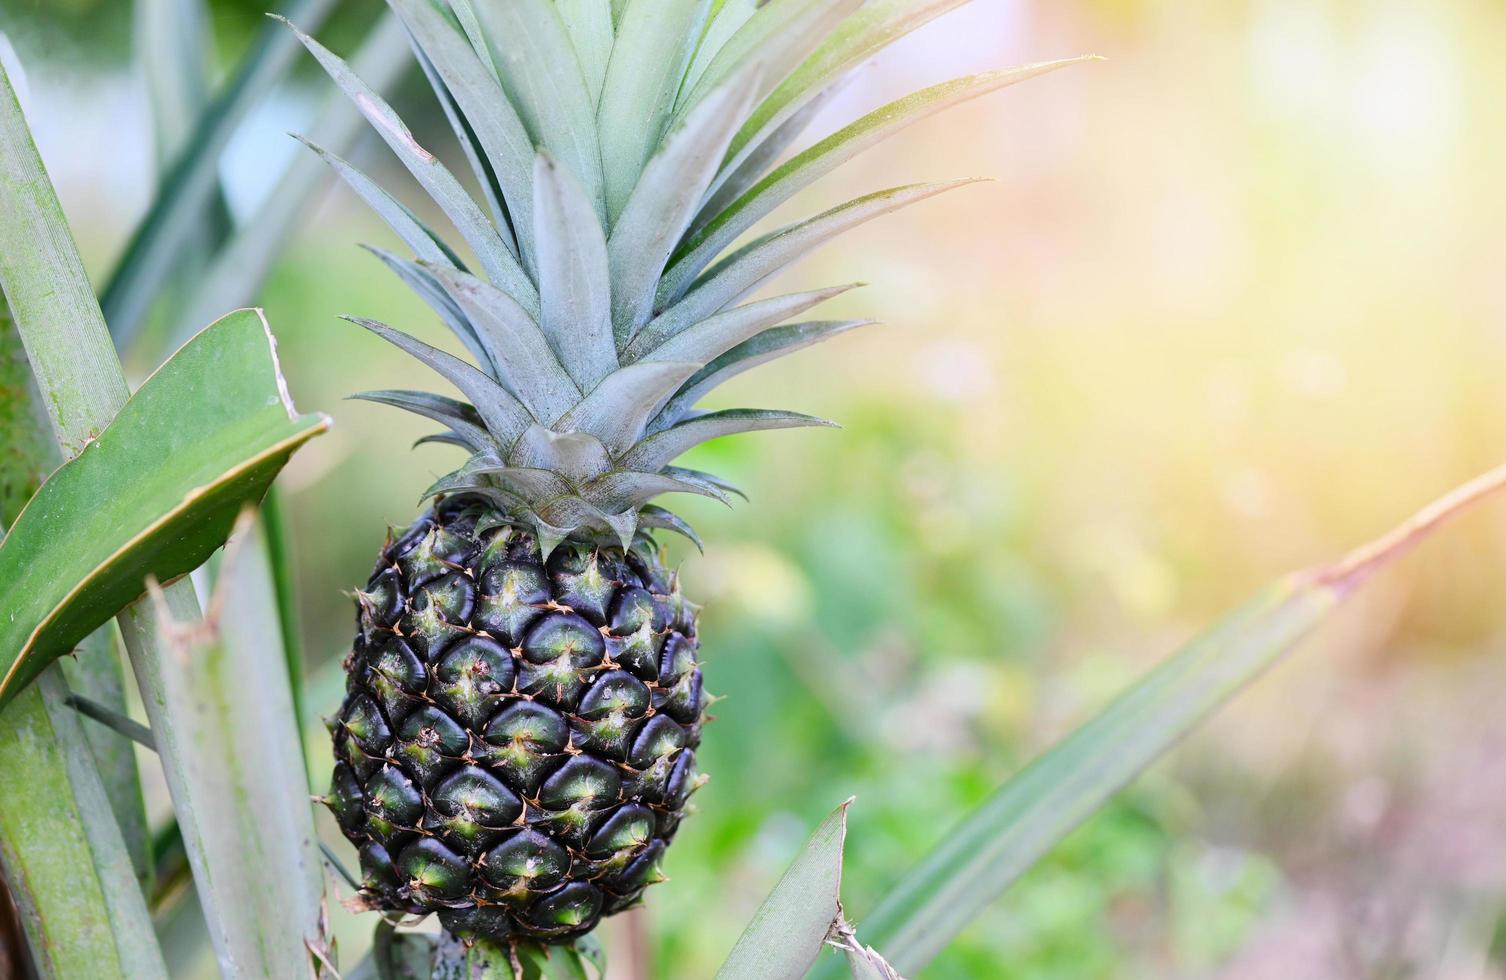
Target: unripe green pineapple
[{"x": 517, "y": 743}]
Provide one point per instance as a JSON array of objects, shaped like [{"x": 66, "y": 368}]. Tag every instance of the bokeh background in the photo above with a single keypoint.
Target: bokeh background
[{"x": 1235, "y": 303}]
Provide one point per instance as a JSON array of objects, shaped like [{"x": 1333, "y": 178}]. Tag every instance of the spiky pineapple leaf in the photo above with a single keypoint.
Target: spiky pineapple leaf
[
  {"x": 665, "y": 198},
  {"x": 536, "y": 62},
  {"x": 436, "y": 179},
  {"x": 642, "y": 80},
  {"x": 760, "y": 260},
  {"x": 761, "y": 349},
  {"x": 714, "y": 336},
  {"x": 155, "y": 494},
  {"x": 787, "y": 932},
  {"x": 575, "y": 293},
  {"x": 618, "y": 410},
  {"x": 662, "y": 447},
  {"x": 589, "y": 24},
  {"x": 1030, "y": 813},
  {"x": 425, "y": 244},
  {"x": 491, "y": 118},
  {"x": 820, "y": 159}
]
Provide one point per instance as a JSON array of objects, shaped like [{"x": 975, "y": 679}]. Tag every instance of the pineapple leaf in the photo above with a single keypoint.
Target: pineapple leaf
[
  {"x": 505, "y": 416},
  {"x": 475, "y": 155},
  {"x": 574, "y": 281},
  {"x": 761, "y": 349},
  {"x": 780, "y": 34},
  {"x": 871, "y": 27},
  {"x": 710, "y": 338},
  {"x": 471, "y": 474},
  {"x": 708, "y": 480},
  {"x": 653, "y": 516},
  {"x": 750, "y": 266},
  {"x": 470, "y": 24},
  {"x": 589, "y": 24},
  {"x": 617, "y": 410},
  {"x": 789, "y": 929},
  {"x": 421, "y": 280},
  {"x": 666, "y": 198},
  {"x": 155, "y": 494},
  {"x": 662, "y": 447},
  {"x": 574, "y": 455},
  {"x": 727, "y": 18},
  {"x": 538, "y": 68},
  {"x": 514, "y": 343},
  {"x": 460, "y": 417},
  {"x": 628, "y": 490},
  {"x": 642, "y": 79},
  {"x": 734, "y": 178},
  {"x": 229, "y": 702},
  {"x": 820, "y": 159},
  {"x": 505, "y": 144},
  {"x": 491, "y": 251},
  {"x": 428, "y": 246},
  {"x": 1010, "y": 831}
]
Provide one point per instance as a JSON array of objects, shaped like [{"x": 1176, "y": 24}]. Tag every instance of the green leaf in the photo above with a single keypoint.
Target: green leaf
[
  {"x": 664, "y": 200},
  {"x": 504, "y": 142},
  {"x": 618, "y": 409},
  {"x": 174, "y": 220},
  {"x": 727, "y": 18},
  {"x": 643, "y": 77},
  {"x": 61, "y": 851},
  {"x": 662, "y": 447},
  {"x": 761, "y": 349},
  {"x": 714, "y": 336},
  {"x": 515, "y": 344},
  {"x": 538, "y": 68},
  {"x": 872, "y": 27},
  {"x": 820, "y": 159},
  {"x": 240, "y": 266},
  {"x": 1035, "y": 809},
  {"x": 589, "y": 24},
  {"x": 491, "y": 251},
  {"x": 790, "y": 927},
  {"x": 256, "y": 862},
  {"x": 155, "y": 494},
  {"x": 755, "y": 263},
  {"x": 575, "y": 292}
]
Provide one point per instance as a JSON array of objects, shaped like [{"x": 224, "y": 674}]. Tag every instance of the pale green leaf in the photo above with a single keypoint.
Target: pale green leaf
[
  {"x": 765, "y": 347},
  {"x": 505, "y": 144},
  {"x": 714, "y": 336},
  {"x": 589, "y": 24},
  {"x": 515, "y": 343},
  {"x": 975, "y": 861},
  {"x": 575, "y": 292},
  {"x": 790, "y": 927},
  {"x": 820, "y": 159},
  {"x": 662, "y": 447},
  {"x": 505, "y": 416},
  {"x": 617, "y": 410},
  {"x": 755, "y": 263},
  {"x": 483, "y": 238},
  {"x": 229, "y": 701},
  {"x": 652, "y": 47},
  {"x": 659, "y": 210},
  {"x": 539, "y": 70}
]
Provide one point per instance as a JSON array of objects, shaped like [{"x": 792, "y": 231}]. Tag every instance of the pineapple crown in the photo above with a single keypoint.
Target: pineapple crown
[{"x": 620, "y": 148}]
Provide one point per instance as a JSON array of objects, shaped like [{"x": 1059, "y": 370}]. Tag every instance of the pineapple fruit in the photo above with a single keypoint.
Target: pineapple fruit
[{"x": 517, "y": 743}]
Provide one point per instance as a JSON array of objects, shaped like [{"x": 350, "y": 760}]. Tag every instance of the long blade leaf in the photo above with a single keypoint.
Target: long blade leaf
[
  {"x": 788, "y": 930},
  {"x": 1025, "y": 818},
  {"x": 820, "y": 159},
  {"x": 575, "y": 292}
]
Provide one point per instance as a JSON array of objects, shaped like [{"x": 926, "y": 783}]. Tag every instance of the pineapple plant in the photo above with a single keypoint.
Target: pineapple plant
[{"x": 516, "y": 746}]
